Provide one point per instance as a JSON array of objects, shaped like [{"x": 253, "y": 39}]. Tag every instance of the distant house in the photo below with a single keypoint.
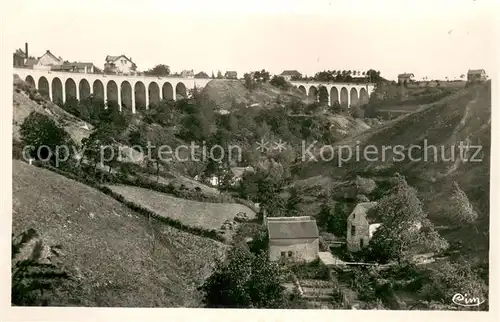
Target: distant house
[
  {"x": 230, "y": 74},
  {"x": 19, "y": 58},
  {"x": 119, "y": 65},
  {"x": 405, "y": 78},
  {"x": 476, "y": 75},
  {"x": 360, "y": 226},
  {"x": 292, "y": 238},
  {"x": 49, "y": 59},
  {"x": 288, "y": 75},
  {"x": 76, "y": 67}
]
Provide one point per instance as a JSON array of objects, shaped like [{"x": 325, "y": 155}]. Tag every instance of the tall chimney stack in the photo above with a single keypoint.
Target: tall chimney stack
[{"x": 26, "y": 49}]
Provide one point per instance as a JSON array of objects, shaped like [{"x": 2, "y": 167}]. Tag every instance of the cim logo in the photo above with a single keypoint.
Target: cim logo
[{"x": 465, "y": 300}]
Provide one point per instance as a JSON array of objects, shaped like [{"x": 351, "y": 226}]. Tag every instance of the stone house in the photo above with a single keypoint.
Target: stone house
[
  {"x": 19, "y": 58},
  {"x": 476, "y": 75},
  {"x": 119, "y": 65},
  {"x": 292, "y": 238},
  {"x": 289, "y": 74},
  {"x": 360, "y": 226},
  {"x": 406, "y": 78}
]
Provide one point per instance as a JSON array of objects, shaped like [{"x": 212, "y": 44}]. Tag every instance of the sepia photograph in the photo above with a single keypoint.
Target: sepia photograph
[{"x": 289, "y": 155}]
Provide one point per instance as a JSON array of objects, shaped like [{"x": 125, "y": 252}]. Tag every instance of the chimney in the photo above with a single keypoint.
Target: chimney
[{"x": 26, "y": 50}]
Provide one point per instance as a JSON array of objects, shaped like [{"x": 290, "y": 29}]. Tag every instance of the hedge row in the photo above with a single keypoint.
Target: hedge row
[{"x": 208, "y": 233}]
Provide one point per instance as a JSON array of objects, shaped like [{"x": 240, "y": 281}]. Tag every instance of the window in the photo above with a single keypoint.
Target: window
[
  {"x": 361, "y": 243},
  {"x": 353, "y": 230},
  {"x": 283, "y": 254},
  {"x": 290, "y": 253}
]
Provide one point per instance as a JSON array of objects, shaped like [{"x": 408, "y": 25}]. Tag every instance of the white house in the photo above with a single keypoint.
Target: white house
[
  {"x": 49, "y": 59},
  {"x": 292, "y": 238},
  {"x": 119, "y": 65}
]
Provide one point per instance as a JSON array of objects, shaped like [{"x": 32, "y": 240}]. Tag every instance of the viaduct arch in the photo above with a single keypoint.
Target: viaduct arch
[
  {"x": 130, "y": 92},
  {"x": 347, "y": 94}
]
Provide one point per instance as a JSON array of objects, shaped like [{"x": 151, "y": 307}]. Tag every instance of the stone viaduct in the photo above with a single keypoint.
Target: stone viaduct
[
  {"x": 133, "y": 92},
  {"x": 347, "y": 94},
  {"x": 130, "y": 92}
]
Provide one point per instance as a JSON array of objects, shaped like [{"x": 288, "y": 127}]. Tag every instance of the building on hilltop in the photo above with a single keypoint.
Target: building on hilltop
[
  {"x": 476, "y": 75},
  {"x": 49, "y": 59},
  {"x": 292, "y": 238},
  {"x": 289, "y": 75},
  {"x": 19, "y": 58},
  {"x": 360, "y": 226},
  {"x": 231, "y": 74},
  {"x": 406, "y": 78},
  {"x": 119, "y": 65},
  {"x": 75, "y": 67}
]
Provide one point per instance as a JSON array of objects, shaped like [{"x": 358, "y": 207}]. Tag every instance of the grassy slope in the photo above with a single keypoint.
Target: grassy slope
[
  {"x": 192, "y": 213},
  {"x": 111, "y": 253},
  {"x": 224, "y": 92},
  {"x": 460, "y": 116}
]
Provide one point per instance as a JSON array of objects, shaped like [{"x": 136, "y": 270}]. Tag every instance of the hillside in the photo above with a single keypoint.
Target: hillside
[
  {"x": 107, "y": 247},
  {"x": 192, "y": 213},
  {"x": 23, "y": 105},
  {"x": 226, "y": 93},
  {"x": 464, "y": 116}
]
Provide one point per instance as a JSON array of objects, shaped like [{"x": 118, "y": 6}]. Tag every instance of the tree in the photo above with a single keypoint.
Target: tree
[
  {"x": 293, "y": 202},
  {"x": 244, "y": 280},
  {"x": 461, "y": 211},
  {"x": 323, "y": 96},
  {"x": 40, "y": 130},
  {"x": 404, "y": 225},
  {"x": 158, "y": 70},
  {"x": 452, "y": 278},
  {"x": 249, "y": 82},
  {"x": 201, "y": 75},
  {"x": 332, "y": 218},
  {"x": 219, "y": 75},
  {"x": 279, "y": 81}
]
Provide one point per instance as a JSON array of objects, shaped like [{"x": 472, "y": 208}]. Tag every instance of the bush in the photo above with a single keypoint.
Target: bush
[{"x": 40, "y": 130}]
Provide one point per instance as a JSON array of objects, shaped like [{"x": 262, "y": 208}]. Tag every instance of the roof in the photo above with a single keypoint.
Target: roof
[
  {"x": 231, "y": 72},
  {"x": 363, "y": 208},
  {"x": 404, "y": 75},
  {"x": 52, "y": 55},
  {"x": 290, "y": 73},
  {"x": 31, "y": 62},
  {"x": 476, "y": 71},
  {"x": 292, "y": 229},
  {"x": 19, "y": 52},
  {"x": 115, "y": 58},
  {"x": 239, "y": 171}
]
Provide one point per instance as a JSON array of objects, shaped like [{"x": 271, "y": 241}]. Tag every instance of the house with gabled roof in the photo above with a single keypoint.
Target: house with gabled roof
[
  {"x": 119, "y": 65},
  {"x": 49, "y": 59},
  {"x": 405, "y": 78},
  {"x": 476, "y": 75},
  {"x": 289, "y": 75},
  {"x": 361, "y": 225},
  {"x": 292, "y": 238}
]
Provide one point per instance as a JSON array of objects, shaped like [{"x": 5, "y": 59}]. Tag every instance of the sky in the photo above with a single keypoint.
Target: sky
[{"x": 437, "y": 39}]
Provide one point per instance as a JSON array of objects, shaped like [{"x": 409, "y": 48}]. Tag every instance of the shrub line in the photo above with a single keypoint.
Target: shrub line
[{"x": 208, "y": 233}]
